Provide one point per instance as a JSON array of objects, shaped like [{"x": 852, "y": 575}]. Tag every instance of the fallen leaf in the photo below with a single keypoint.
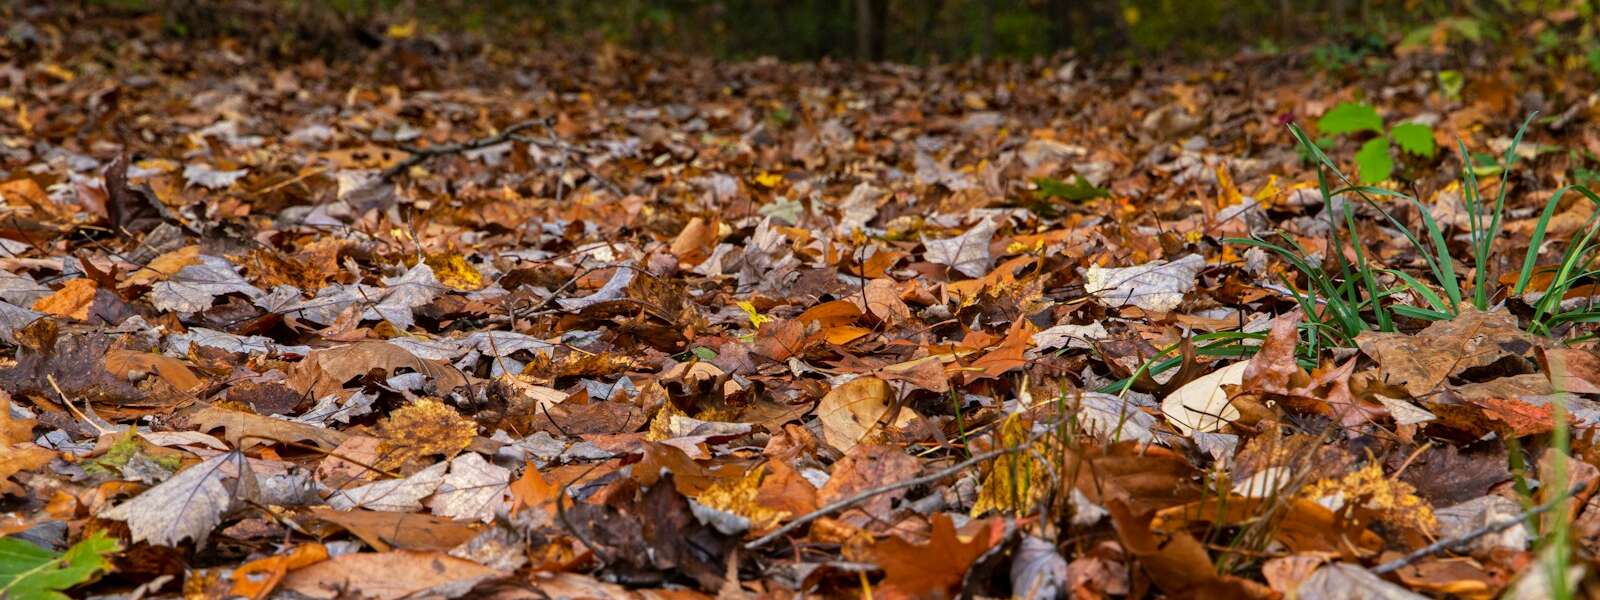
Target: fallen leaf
[
  {"x": 422, "y": 428},
  {"x": 72, "y": 301},
  {"x": 190, "y": 504},
  {"x": 931, "y": 569},
  {"x": 1156, "y": 286},
  {"x": 389, "y": 576},
  {"x": 1422, "y": 363},
  {"x": 1202, "y": 405},
  {"x": 967, "y": 253},
  {"x": 385, "y": 531}
]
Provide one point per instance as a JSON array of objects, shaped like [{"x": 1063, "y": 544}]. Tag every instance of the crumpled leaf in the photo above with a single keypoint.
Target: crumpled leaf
[
  {"x": 1156, "y": 286},
  {"x": 967, "y": 253},
  {"x": 1423, "y": 362},
  {"x": 190, "y": 504},
  {"x": 853, "y": 410}
]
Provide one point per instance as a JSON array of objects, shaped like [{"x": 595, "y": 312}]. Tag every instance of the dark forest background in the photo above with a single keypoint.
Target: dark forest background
[{"x": 922, "y": 31}]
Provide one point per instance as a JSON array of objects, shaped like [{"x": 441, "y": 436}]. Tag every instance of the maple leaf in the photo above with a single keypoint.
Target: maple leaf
[{"x": 932, "y": 569}]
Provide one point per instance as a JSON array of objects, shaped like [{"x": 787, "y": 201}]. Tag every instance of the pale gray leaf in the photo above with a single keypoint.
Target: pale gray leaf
[
  {"x": 190, "y": 504},
  {"x": 474, "y": 489},
  {"x": 967, "y": 253}
]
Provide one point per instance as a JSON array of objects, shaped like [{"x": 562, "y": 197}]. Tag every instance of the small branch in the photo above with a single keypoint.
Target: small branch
[
  {"x": 883, "y": 489},
  {"x": 564, "y": 147},
  {"x": 1470, "y": 536},
  {"x": 421, "y": 155}
]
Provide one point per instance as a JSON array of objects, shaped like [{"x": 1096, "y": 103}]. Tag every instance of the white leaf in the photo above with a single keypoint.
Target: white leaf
[
  {"x": 967, "y": 253},
  {"x": 474, "y": 489},
  {"x": 1114, "y": 418},
  {"x": 392, "y": 495},
  {"x": 1038, "y": 571},
  {"x": 1156, "y": 286},
  {"x": 1202, "y": 405},
  {"x": 612, "y": 290},
  {"x": 1343, "y": 581},
  {"x": 207, "y": 176},
  {"x": 190, "y": 504},
  {"x": 1070, "y": 336}
]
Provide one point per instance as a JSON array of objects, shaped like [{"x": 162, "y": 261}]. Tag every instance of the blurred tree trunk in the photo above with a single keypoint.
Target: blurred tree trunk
[
  {"x": 985, "y": 28},
  {"x": 872, "y": 21}
]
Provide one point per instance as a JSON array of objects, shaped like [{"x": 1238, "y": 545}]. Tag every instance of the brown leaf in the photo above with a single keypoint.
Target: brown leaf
[
  {"x": 325, "y": 371},
  {"x": 1178, "y": 564},
  {"x": 1424, "y": 362},
  {"x": 933, "y": 569},
  {"x": 388, "y": 575},
  {"x": 853, "y": 410},
  {"x": 868, "y": 466},
  {"x": 386, "y": 531},
  {"x": 784, "y": 489},
  {"x": 244, "y": 430}
]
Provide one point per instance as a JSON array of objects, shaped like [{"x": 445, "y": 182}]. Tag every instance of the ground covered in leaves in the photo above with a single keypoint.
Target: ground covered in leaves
[{"x": 434, "y": 318}]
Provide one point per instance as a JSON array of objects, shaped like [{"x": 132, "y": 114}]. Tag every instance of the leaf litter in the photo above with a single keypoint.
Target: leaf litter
[{"x": 543, "y": 323}]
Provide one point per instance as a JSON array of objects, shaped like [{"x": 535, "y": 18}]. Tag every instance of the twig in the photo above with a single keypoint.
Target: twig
[
  {"x": 882, "y": 489},
  {"x": 420, "y": 155},
  {"x": 1470, "y": 536}
]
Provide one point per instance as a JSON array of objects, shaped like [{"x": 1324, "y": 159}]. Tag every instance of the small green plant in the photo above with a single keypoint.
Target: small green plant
[
  {"x": 1375, "y": 162},
  {"x": 28, "y": 572},
  {"x": 1078, "y": 190}
]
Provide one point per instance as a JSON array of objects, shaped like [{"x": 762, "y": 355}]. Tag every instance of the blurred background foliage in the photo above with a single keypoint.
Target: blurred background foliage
[{"x": 1343, "y": 32}]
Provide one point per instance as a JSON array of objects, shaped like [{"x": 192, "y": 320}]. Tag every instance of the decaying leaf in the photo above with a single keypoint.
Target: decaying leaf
[
  {"x": 422, "y": 428},
  {"x": 190, "y": 504}
]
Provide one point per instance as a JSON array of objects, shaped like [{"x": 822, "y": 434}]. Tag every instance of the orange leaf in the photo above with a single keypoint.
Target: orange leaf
[
  {"x": 931, "y": 569},
  {"x": 71, "y": 301}
]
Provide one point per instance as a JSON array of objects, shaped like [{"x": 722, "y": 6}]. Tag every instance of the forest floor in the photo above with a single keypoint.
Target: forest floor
[{"x": 432, "y": 318}]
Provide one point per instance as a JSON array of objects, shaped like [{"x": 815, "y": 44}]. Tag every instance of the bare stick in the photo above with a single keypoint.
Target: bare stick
[
  {"x": 420, "y": 155},
  {"x": 1470, "y": 536},
  {"x": 839, "y": 505}
]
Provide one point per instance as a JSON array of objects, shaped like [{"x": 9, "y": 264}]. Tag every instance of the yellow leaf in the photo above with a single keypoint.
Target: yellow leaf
[
  {"x": 1268, "y": 194},
  {"x": 162, "y": 267},
  {"x": 1230, "y": 193},
  {"x": 455, "y": 272},
  {"x": 402, "y": 31},
  {"x": 1016, "y": 481},
  {"x": 738, "y": 496},
  {"x": 1396, "y": 502},
  {"x": 421, "y": 428},
  {"x": 769, "y": 180},
  {"x": 755, "y": 316}
]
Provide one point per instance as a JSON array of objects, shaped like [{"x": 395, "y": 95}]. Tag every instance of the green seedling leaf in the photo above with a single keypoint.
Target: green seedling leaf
[
  {"x": 1349, "y": 117},
  {"x": 28, "y": 572},
  {"x": 1373, "y": 161},
  {"x": 1415, "y": 138},
  {"x": 1079, "y": 190},
  {"x": 1452, "y": 82}
]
